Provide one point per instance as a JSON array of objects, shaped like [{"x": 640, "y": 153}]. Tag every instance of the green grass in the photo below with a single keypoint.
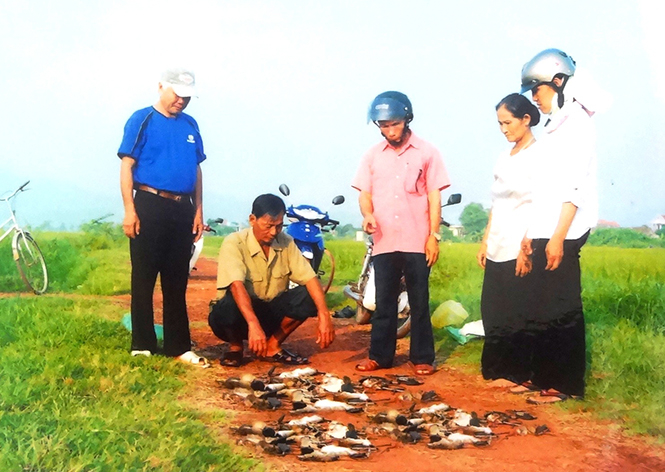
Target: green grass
[
  {"x": 71, "y": 397},
  {"x": 82, "y": 263}
]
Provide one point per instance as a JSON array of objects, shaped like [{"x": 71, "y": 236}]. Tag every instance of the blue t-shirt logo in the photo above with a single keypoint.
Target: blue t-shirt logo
[{"x": 190, "y": 139}]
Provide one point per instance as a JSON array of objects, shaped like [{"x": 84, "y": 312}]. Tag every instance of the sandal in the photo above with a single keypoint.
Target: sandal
[
  {"x": 544, "y": 398},
  {"x": 287, "y": 358},
  {"x": 525, "y": 387},
  {"x": 231, "y": 359},
  {"x": 368, "y": 365},
  {"x": 423, "y": 369},
  {"x": 191, "y": 357}
]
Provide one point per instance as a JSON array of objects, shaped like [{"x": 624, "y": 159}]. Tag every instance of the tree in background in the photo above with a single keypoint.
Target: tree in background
[
  {"x": 346, "y": 231},
  {"x": 474, "y": 219},
  {"x": 222, "y": 228}
]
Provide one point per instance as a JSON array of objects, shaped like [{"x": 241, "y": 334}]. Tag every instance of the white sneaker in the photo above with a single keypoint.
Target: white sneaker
[{"x": 141, "y": 353}]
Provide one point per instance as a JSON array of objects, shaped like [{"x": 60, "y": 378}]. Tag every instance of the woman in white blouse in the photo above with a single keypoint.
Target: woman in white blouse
[
  {"x": 504, "y": 304},
  {"x": 564, "y": 209}
]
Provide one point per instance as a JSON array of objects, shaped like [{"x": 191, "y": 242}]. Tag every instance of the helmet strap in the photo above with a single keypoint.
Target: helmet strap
[{"x": 559, "y": 90}]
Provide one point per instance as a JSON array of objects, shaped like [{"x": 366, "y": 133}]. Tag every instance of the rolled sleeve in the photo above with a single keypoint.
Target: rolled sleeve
[
  {"x": 437, "y": 175},
  {"x": 363, "y": 179},
  {"x": 230, "y": 266}
]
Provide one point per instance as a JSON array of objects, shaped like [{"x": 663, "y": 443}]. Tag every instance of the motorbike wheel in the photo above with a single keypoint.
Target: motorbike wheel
[
  {"x": 403, "y": 324},
  {"x": 363, "y": 315},
  {"x": 326, "y": 271}
]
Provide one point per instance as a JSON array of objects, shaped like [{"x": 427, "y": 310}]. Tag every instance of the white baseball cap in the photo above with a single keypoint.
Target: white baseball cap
[{"x": 180, "y": 80}]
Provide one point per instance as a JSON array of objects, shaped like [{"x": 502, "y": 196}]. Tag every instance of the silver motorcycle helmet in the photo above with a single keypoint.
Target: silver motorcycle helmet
[
  {"x": 390, "y": 106},
  {"x": 544, "y": 67}
]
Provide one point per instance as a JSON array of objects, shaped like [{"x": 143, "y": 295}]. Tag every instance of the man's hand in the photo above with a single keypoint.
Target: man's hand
[
  {"x": 481, "y": 257},
  {"x": 369, "y": 224},
  {"x": 131, "y": 224},
  {"x": 431, "y": 251},
  {"x": 326, "y": 333},
  {"x": 554, "y": 253},
  {"x": 256, "y": 339},
  {"x": 197, "y": 227}
]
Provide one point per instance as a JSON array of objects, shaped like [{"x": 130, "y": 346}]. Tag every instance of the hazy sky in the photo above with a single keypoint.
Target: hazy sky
[{"x": 284, "y": 88}]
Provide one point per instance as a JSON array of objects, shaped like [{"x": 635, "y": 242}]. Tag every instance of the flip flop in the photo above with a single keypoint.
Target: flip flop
[
  {"x": 423, "y": 369},
  {"x": 526, "y": 387},
  {"x": 368, "y": 365},
  {"x": 231, "y": 359},
  {"x": 191, "y": 357},
  {"x": 546, "y": 397},
  {"x": 287, "y": 358}
]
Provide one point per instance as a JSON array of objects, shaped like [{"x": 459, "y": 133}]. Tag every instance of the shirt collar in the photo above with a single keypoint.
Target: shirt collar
[
  {"x": 414, "y": 141},
  {"x": 255, "y": 248}
]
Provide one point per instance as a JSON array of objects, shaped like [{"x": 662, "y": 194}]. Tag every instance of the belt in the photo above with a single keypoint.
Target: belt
[{"x": 162, "y": 193}]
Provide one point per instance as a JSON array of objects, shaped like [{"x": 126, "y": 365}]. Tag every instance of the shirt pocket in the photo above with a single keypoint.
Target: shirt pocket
[
  {"x": 281, "y": 273},
  {"x": 414, "y": 180},
  {"x": 254, "y": 276}
]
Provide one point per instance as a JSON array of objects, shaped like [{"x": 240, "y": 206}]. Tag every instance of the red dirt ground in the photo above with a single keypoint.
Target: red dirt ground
[{"x": 577, "y": 441}]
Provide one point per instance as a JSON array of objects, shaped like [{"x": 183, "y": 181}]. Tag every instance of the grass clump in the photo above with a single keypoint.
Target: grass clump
[
  {"x": 85, "y": 263},
  {"x": 73, "y": 399}
]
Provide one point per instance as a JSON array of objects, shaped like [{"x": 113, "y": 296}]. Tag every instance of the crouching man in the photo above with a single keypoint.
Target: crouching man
[{"x": 254, "y": 302}]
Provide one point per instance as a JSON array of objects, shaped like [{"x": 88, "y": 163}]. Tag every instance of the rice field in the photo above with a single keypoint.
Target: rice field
[{"x": 50, "y": 399}]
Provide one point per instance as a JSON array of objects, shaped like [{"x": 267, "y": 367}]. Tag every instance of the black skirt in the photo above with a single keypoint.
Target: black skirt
[
  {"x": 505, "y": 307},
  {"x": 556, "y": 322}
]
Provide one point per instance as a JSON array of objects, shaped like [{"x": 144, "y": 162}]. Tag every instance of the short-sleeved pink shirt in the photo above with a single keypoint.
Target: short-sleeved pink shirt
[{"x": 399, "y": 184}]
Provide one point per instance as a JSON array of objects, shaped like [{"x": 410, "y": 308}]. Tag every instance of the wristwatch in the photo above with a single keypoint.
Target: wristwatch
[{"x": 437, "y": 236}]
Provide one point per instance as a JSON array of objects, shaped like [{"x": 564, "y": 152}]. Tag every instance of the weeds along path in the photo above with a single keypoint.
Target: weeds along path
[{"x": 577, "y": 441}]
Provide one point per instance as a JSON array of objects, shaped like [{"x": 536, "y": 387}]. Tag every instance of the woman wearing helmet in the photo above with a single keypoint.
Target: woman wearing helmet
[
  {"x": 506, "y": 352},
  {"x": 565, "y": 208}
]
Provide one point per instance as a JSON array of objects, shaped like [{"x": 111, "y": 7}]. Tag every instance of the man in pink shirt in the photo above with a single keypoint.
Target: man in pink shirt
[{"x": 400, "y": 180}]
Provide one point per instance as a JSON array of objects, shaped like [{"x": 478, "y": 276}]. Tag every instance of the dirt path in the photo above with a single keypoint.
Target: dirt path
[{"x": 577, "y": 442}]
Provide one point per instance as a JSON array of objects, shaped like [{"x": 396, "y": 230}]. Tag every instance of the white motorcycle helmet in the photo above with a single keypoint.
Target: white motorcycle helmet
[{"x": 544, "y": 67}]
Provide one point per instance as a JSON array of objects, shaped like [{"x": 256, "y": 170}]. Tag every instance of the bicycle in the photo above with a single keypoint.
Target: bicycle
[{"x": 27, "y": 255}]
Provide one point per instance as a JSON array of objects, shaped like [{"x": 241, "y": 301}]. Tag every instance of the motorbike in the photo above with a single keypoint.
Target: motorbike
[
  {"x": 307, "y": 225},
  {"x": 363, "y": 292}
]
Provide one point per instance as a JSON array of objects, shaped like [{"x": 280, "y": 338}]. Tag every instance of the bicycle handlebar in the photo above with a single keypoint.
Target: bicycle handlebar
[{"x": 20, "y": 189}]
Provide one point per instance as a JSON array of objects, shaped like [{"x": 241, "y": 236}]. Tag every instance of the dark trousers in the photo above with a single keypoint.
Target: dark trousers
[
  {"x": 229, "y": 325},
  {"x": 559, "y": 348},
  {"x": 163, "y": 246},
  {"x": 389, "y": 269}
]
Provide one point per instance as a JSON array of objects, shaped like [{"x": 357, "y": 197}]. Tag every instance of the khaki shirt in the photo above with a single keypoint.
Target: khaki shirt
[{"x": 242, "y": 259}]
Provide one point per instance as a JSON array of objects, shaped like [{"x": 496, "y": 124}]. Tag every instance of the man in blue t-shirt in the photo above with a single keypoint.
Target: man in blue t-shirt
[{"x": 160, "y": 180}]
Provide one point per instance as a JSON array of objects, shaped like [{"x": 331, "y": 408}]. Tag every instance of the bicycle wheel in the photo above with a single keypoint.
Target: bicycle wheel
[
  {"x": 30, "y": 262},
  {"x": 326, "y": 270}
]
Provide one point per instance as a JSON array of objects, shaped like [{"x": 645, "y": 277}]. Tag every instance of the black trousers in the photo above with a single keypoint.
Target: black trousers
[
  {"x": 229, "y": 325},
  {"x": 163, "y": 246},
  {"x": 389, "y": 269},
  {"x": 559, "y": 344},
  {"x": 505, "y": 303}
]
